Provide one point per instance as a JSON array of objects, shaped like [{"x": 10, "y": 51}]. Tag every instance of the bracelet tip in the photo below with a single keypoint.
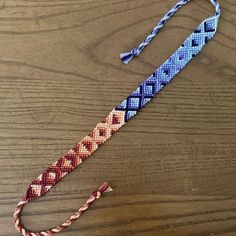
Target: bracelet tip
[{"x": 126, "y": 57}]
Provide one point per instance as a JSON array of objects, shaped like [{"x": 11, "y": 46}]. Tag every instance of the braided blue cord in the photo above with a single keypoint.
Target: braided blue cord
[
  {"x": 172, "y": 66},
  {"x": 127, "y": 57}
]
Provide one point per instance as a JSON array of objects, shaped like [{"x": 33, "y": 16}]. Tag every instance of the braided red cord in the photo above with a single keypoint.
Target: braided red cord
[
  {"x": 59, "y": 169},
  {"x": 95, "y": 195}
]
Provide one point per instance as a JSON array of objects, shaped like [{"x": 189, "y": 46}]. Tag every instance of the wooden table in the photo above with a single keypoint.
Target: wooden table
[{"x": 173, "y": 167}]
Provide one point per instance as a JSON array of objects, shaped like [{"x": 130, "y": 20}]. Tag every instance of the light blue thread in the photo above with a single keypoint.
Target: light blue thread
[
  {"x": 172, "y": 66},
  {"x": 128, "y": 56}
]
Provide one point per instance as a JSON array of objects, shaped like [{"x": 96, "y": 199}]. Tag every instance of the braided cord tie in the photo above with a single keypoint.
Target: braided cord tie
[
  {"x": 118, "y": 117},
  {"x": 128, "y": 56},
  {"x": 95, "y": 195}
]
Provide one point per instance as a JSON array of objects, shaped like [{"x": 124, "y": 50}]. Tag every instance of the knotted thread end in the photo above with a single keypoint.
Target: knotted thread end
[
  {"x": 105, "y": 188},
  {"x": 126, "y": 57}
]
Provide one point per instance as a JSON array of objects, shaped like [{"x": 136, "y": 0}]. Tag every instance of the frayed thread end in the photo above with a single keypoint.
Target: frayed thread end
[
  {"x": 105, "y": 188},
  {"x": 126, "y": 57}
]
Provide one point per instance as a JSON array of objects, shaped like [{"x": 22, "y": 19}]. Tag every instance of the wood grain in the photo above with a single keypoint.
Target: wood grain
[{"x": 172, "y": 167}]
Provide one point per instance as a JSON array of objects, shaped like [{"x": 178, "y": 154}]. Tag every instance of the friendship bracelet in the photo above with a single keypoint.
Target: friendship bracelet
[{"x": 119, "y": 116}]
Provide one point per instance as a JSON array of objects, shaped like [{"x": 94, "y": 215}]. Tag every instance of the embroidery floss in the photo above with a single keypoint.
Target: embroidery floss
[{"x": 118, "y": 116}]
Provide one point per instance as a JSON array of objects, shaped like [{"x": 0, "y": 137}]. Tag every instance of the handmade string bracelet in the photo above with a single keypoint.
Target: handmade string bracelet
[{"x": 118, "y": 116}]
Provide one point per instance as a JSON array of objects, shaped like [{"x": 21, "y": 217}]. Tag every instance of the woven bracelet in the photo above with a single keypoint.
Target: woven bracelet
[{"x": 118, "y": 116}]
